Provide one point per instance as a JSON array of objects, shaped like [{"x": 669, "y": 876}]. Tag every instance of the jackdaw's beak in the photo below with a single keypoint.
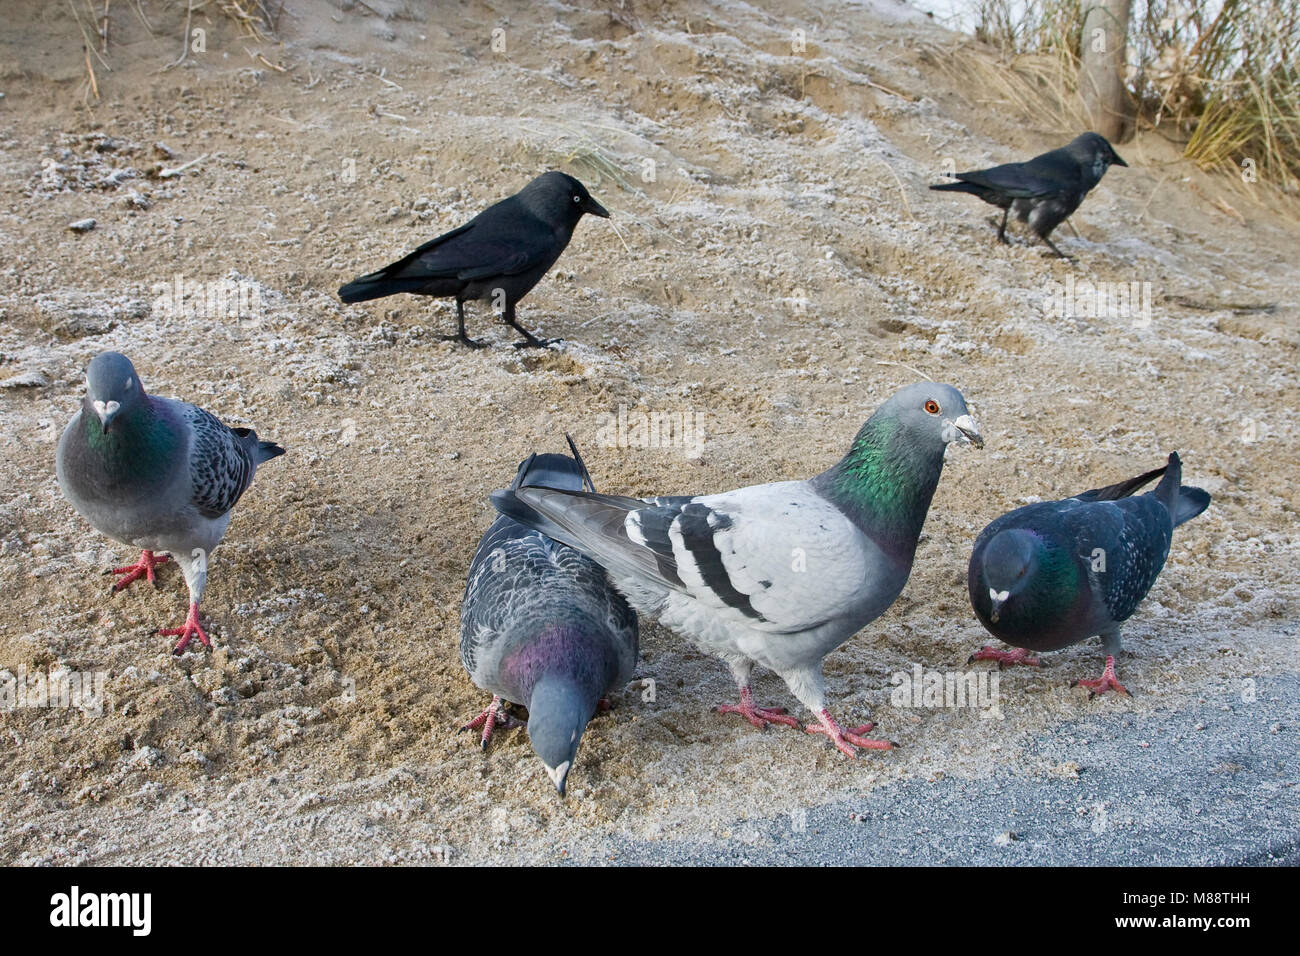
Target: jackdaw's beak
[
  {"x": 560, "y": 773},
  {"x": 1115, "y": 158},
  {"x": 596, "y": 209},
  {"x": 969, "y": 430}
]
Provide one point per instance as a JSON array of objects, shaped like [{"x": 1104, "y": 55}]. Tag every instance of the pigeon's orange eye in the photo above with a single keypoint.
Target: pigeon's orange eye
[{"x": 932, "y": 407}]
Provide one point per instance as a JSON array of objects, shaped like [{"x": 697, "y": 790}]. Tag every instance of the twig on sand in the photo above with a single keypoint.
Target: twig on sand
[
  {"x": 1159, "y": 183},
  {"x": 618, "y": 233},
  {"x": 1211, "y": 306},
  {"x": 901, "y": 96},
  {"x": 185, "y": 39},
  {"x": 89, "y": 48},
  {"x": 168, "y": 173},
  {"x": 139, "y": 12},
  {"x": 901, "y": 192},
  {"x": 1218, "y": 202},
  {"x": 258, "y": 56},
  {"x": 103, "y": 25},
  {"x": 916, "y": 371},
  {"x": 90, "y": 69}
]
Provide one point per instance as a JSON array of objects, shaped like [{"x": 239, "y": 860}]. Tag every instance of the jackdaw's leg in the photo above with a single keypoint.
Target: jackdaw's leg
[
  {"x": 1052, "y": 246},
  {"x": 530, "y": 341},
  {"x": 1002, "y": 229},
  {"x": 460, "y": 335}
]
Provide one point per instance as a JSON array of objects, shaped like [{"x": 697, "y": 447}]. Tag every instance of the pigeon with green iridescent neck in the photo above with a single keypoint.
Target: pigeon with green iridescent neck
[
  {"x": 780, "y": 574},
  {"x": 1054, "y": 573},
  {"x": 156, "y": 474}
]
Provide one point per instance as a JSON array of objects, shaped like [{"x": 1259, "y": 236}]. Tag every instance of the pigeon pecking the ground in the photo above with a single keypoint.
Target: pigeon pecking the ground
[
  {"x": 156, "y": 474},
  {"x": 541, "y": 626},
  {"x": 778, "y": 574},
  {"x": 1054, "y": 573},
  {"x": 1046, "y": 190},
  {"x": 499, "y": 255}
]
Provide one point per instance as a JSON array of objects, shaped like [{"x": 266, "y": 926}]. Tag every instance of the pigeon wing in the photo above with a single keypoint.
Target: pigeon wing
[
  {"x": 517, "y": 572},
  {"x": 778, "y": 557},
  {"x": 1124, "y": 543},
  {"x": 221, "y": 465}
]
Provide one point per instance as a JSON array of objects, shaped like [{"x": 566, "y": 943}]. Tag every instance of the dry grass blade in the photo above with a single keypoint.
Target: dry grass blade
[{"x": 252, "y": 20}]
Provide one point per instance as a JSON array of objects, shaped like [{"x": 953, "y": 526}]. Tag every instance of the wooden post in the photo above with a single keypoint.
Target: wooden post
[{"x": 1101, "y": 83}]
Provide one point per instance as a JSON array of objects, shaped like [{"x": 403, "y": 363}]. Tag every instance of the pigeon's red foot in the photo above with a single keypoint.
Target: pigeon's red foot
[
  {"x": 1018, "y": 656},
  {"x": 1107, "y": 681},
  {"x": 846, "y": 740},
  {"x": 141, "y": 569},
  {"x": 187, "y": 631},
  {"x": 760, "y": 717},
  {"x": 493, "y": 716}
]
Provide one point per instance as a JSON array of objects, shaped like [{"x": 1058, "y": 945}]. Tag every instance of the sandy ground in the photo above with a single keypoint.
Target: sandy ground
[{"x": 782, "y": 263}]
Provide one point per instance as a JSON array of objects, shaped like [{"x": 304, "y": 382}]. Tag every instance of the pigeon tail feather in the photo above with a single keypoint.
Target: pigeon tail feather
[
  {"x": 266, "y": 450},
  {"x": 261, "y": 450},
  {"x": 1123, "y": 489},
  {"x": 554, "y": 471},
  {"x": 1184, "y": 502}
]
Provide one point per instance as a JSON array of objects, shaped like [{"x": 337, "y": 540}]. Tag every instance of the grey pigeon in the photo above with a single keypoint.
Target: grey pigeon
[
  {"x": 1054, "y": 573},
  {"x": 778, "y": 574},
  {"x": 156, "y": 474},
  {"x": 498, "y": 255},
  {"x": 541, "y": 626},
  {"x": 1046, "y": 190}
]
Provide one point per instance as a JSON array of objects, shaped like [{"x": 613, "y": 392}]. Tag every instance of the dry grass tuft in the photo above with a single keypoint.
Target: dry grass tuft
[{"x": 1218, "y": 77}]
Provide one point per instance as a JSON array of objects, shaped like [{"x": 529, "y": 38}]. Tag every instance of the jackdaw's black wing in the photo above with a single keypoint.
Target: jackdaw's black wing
[
  {"x": 1029, "y": 180},
  {"x": 502, "y": 240}
]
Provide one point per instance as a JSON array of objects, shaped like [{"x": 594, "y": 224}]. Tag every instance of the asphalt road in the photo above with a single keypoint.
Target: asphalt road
[{"x": 1215, "y": 784}]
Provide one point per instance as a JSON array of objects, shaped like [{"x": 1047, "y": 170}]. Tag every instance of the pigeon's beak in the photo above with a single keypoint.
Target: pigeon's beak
[
  {"x": 968, "y": 430},
  {"x": 996, "y": 600},
  {"x": 595, "y": 208},
  {"x": 1115, "y": 158},
  {"x": 558, "y": 776},
  {"x": 107, "y": 411}
]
